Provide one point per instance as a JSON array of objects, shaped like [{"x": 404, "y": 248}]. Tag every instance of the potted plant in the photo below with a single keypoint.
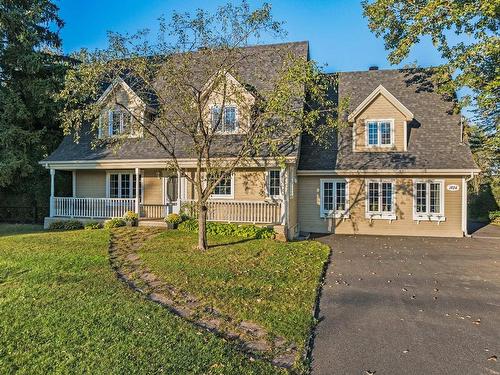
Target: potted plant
[
  {"x": 173, "y": 220},
  {"x": 131, "y": 218}
]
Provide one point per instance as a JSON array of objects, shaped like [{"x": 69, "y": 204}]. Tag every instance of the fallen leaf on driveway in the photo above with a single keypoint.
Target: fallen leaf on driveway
[
  {"x": 493, "y": 358},
  {"x": 368, "y": 372},
  {"x": 477, "y": 321},
  {"x": 406, "y": 351}
]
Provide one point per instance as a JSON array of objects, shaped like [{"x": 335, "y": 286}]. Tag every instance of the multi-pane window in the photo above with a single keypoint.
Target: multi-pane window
[
  {"x": 122, "y": 185},
  {"x": 118, "y": 122},
  {"x": 428, "y": 199},
  {"x": 274, "y": 182},
  {"x": 333, "y": 197},
  {"x": 379, "y": 133},
  {"x": 224, "y": 187},
  {"x": 380, "y": 198},
  {"x": 225, "y": 122}
]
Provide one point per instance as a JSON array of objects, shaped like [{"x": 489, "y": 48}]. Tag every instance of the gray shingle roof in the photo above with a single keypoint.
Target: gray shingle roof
[
  {"x": 255, "y": 71},
  {"x": 434, "y": 139}
]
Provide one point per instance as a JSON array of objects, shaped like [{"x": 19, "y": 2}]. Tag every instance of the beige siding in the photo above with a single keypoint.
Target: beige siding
[
  {"x": 90, "y": 184},
  {"x": 152, "y": 189},
  {"x": 293, "y": 212},
  {"x": 250, "y": 185},
  {"x": 379, "y": 109},
  {"x": 310, "y": 221}
]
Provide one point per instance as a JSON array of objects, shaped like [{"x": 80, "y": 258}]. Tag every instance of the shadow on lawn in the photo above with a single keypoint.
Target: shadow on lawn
[{"x": 243, "y": 240}]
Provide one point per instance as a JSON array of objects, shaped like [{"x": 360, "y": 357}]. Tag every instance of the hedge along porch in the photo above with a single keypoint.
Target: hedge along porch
[{"x": 153, "y": 193}]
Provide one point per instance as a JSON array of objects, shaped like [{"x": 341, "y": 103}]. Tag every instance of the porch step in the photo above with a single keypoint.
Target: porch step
[{"x": 152, "y": 223}]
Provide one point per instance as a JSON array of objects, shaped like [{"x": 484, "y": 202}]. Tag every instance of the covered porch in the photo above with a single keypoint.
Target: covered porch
[{"x": 153, "y": 194}]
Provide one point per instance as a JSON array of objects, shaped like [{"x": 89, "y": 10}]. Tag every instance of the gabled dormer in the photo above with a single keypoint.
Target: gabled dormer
[
  {"x": 229, "y": 104},
  {"x": 380, "y": 123},
  {"x": 121, "y": 110}
]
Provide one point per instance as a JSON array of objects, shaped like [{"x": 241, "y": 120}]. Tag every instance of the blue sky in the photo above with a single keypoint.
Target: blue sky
[{"x": 336, "y": 30}]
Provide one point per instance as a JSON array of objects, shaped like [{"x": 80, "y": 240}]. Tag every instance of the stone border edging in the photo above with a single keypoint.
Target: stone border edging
[{"x": 250, "y": 337}]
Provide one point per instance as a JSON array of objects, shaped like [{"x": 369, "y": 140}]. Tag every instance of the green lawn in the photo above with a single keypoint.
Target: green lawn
[
  {"x": 265, "y": 281},
  {"x": 63, "y": 311}
]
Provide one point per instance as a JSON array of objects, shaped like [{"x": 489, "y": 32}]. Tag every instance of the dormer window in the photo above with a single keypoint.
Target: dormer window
[
  {"x": 379, "y": 133},
  {"x": 118, "y": 122},
  {"x": 228, "y": 122}
]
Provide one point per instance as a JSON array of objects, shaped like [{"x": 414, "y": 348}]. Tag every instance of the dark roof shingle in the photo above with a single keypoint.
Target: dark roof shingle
[{"x": 434, "y": 136}]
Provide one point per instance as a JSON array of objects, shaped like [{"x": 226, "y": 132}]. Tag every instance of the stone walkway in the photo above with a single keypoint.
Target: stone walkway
[{"x": 250, "y": 337}]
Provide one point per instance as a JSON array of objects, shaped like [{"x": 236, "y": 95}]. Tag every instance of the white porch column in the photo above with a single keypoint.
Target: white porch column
[
  {"x": 52, "y": 208},
  {"x": 284, "y": 201},
  {"x": 177, "y": 207},
  {"x": 73, "y": 183},
  {"x": 137, "y": 190}
]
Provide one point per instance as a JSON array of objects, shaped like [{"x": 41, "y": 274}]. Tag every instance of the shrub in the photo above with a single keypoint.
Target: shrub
[
  {"x": 93, "y": 225},
  {"x": 224, "y": 229},
  {"x": 174, "y": 219},
  {"x": 131, "y": 217},
  {"x": 66, "y": 225},
  {"x": 495, "y": 216},
  {"x": 114, "y": 223}
]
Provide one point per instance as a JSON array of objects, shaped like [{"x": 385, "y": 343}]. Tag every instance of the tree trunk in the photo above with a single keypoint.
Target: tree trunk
[{"x": 202, "y": 228}]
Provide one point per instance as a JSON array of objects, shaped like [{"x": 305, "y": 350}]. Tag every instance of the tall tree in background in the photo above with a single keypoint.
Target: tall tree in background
[
  {"x": 194, "y": 67},
  {"x": 465, "y": 32},
  {"x": 31, "y": 71}
]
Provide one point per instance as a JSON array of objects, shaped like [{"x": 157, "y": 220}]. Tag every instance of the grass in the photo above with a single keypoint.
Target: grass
[
  {"x": 13, "y": 229},
  {"x": 265, "y": 281},
  {"x": 63, "y": 311}
]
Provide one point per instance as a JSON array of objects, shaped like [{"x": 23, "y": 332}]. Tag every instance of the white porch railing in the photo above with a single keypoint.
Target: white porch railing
[
  {"x": 243, "y": 211},
  {"x": 92, "y": 207},
  {"x": 156, "y": 211}
]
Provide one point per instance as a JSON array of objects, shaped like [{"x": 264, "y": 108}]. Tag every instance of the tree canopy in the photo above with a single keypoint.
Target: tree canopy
[
  {"x": 187, "y": 76},
  {"x": 31, "y": 71}
]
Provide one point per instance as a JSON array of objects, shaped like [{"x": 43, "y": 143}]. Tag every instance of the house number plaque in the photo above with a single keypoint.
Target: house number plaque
[{"x": 453, "y": 187}]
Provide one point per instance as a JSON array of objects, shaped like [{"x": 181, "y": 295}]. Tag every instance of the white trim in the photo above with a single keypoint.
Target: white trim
[
  {"x": 379, "y": 134},
  {"x": 407, "y": 172},
  {"x": 223, "y": 118},
  {"x": 121, "y": 172},
  {"x": 405, "y": 135},
  {"x": 73, "y": 183},
  {"x": 382, "y": 215},
  {"x": 338, "y": 214},
  {"x": 282, "y": 183},
  {"x": 427, "y": 216},
  {"x": 382, "y": 91},
  {"x": 225, "y": 196},
  {"x": 116, "y": 82},
  {"x": 155, "y": 163}
]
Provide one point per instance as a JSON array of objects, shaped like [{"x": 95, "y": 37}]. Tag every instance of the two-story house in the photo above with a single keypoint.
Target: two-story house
[{"x": 400, "y": 167}]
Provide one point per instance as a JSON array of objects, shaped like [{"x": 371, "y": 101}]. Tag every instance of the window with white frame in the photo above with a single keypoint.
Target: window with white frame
[
  {"x": 428, "y": 200},
  {"x": 379, "y": 133},
  {"x": 117, "y": 121},
  {"x": 274, "y": 182},
  {"x": 122, "y": 185},
  {"x": 380, "y": 199},
  {"x": 224, "y": 189},
  {"x": 333, "y": 195},
  {"x": 226, "y": 122}
]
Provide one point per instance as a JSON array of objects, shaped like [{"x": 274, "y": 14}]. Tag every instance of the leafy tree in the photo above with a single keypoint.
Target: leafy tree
[
  {"x": 193, "y": 65},
  {"x": 30, "y": 73},
  {"x": 472, "y": 55}
]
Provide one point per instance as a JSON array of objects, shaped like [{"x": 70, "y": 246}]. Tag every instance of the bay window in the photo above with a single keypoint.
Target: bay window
[
  {"x": 333, "y": 196},
  {"x": 428, "y": 197},
  {"x": 380, "y": 199}
]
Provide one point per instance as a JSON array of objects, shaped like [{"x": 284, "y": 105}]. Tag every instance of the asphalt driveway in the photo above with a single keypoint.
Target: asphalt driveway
[{"x": 410, "y": 305}]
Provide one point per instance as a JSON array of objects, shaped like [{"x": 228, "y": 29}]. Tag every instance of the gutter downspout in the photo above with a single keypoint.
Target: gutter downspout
[{"x": 464, "y": 204}]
